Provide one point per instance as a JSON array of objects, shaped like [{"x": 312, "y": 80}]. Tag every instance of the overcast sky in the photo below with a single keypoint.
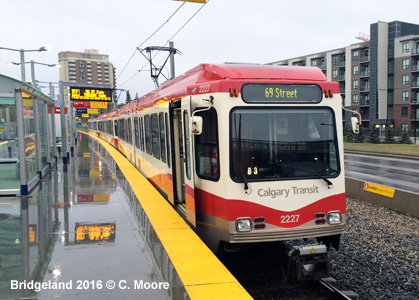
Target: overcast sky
[{"x": 251, "y": 31}]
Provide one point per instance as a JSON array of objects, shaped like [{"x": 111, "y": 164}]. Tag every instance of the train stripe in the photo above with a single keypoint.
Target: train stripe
[{"x": 231, "y": 210}]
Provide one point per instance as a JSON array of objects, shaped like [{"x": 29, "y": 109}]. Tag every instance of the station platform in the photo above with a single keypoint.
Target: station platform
[{"x": 97, "y": 229}]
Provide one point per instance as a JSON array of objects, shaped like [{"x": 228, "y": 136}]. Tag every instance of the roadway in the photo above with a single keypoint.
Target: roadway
[{"x": 394, "y": 171}]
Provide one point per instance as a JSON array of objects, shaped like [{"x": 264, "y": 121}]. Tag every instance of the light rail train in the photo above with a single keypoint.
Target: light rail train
[{"x": 246, "y": 153}]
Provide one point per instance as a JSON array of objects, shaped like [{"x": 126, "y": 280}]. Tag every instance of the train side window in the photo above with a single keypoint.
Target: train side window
[
  {"x": 147, "y": 128},
  {"x": 167, "y": 140},
  {"x": 155, "y": 135},
  {"x": 187, "y": 143},
  {"x": 206, "y": 145},
  {"x": 116, "y": 128},
  {"x": 162, "y": 137},
  {"x": 136, "y": 130},
  {"x": 129, "y": 131},
  {"x": 142, "y": 134}
]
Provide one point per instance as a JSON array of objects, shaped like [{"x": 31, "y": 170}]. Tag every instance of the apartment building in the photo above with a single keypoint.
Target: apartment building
[
  {"x": 86, "y": 68},
  {"x": 378, "y": 77}
]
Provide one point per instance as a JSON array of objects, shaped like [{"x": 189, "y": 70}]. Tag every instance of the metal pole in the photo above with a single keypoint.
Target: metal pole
[
  {"x": 54, "y": 136},
  {"x": 22, "y": 64},
  {"x": 63, "y": 124},
  {"x": 172, "y": 60},
  {"x": 37, "y": 137},
  {"x": 33, "y": 74},
  {"x": 21, "y": 146}
]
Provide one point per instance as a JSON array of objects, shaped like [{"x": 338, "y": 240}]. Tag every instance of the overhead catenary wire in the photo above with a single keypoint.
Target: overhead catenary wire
[
  {"x": 176, "y": 33},
  {"x": 157, "y": 30}
]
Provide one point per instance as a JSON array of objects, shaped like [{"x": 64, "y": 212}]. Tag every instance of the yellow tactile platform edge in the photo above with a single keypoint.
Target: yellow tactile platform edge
[{"x": 202, "y": 274}]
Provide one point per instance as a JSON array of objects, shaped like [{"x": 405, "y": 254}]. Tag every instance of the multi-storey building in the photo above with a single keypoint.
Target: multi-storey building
[
  {"x": 86, "y": 68},
  {"x": 378, "y": 77}
]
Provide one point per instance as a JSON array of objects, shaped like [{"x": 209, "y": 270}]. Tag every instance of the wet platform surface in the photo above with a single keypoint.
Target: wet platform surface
[{"x": 83, "y": 235}]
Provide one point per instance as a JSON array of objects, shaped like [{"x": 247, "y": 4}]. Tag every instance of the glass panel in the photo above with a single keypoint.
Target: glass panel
[
  {"x": 42, "y": 133},
  {"x": 155, "y": 135},
  {"x": 162, "y": 137},
  {"x": 283, "y": 143},
  {"x": 187, "y": 144},
  {"x": 30, "y": 146},
  {"x": 9, "y": 153}
]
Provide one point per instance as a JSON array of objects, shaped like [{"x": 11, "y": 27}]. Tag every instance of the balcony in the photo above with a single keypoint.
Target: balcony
[
  {"x": 364, "y": 103},
  {"x": 341, "y": 77},
  {"x": 322, "y": 66},
  {"x": 364, "y": 59},
  {"x": 364, "y": 88},
  {"x": 415, "y": 84},
  {"x": 415, "y": 51},
  {"x": 342, "y": 64},
  {"x": 365, "y": 74},
  {"x": 415, "y": 68}
]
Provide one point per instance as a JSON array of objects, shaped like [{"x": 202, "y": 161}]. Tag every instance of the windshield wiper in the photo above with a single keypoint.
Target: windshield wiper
[
  {"x": 329, "y": 183},
  {"x": 239, "y": 146}
]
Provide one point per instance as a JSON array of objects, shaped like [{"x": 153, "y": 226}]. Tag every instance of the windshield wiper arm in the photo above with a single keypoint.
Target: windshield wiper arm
[{"x": 329, "y": 183}]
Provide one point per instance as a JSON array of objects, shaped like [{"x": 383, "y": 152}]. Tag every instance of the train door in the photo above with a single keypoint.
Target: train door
[{"x": 183, "y": 163}]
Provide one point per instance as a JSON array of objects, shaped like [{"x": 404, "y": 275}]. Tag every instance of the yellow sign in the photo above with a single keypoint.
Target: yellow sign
[
  {"x": 92, "y": 111},
  {"x": 28, "y": 102},
  {"x": 379, "y": 189},
  {"x": 87, "y": 94},
  {"x": 101, "y": 198},
  {"x": 86, "y": 154},
  {"x": 102, "y": 105},
  {"x": 85, "y": 115}
]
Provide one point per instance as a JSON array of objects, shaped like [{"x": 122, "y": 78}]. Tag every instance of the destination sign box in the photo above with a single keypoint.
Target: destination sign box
[
  {"x": 281, "y": 93},
  {"x": 89, "y": 94}
]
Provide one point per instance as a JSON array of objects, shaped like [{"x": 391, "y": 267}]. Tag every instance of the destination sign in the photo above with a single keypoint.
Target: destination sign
[
  {"x": 89, "y": 94},
  {"x": 281, "y": 93}
]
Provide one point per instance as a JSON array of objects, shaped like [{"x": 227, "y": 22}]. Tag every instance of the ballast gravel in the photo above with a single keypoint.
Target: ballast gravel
[{"x": 379, "y": 254}]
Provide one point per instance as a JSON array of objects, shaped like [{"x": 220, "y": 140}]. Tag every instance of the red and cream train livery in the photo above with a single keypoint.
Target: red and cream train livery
[{"x": 247, "y": 153}]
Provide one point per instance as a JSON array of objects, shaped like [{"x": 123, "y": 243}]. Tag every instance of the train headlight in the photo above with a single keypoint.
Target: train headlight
[
  {"x": 334, "y": 217},
  {"x": 243, "y": 224}
]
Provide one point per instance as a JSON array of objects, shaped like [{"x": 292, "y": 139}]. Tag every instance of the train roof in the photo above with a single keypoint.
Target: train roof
[{"x": 217, "y": 74}]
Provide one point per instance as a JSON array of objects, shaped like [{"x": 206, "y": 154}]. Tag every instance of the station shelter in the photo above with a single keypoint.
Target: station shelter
[{"x": 27, "y": 138}]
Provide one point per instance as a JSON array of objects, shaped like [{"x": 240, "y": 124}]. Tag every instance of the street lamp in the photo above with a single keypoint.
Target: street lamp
[
  {"x": 22, "y": 57},
  {"x": 33, "y": 68}
]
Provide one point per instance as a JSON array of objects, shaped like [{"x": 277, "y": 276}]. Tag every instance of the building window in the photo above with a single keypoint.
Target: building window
[
  {"x": 314, "y": 63},
  {"x": 355, "y": 84},
  {"x": 355, "y": 55},
  {"x": 335, "y": 74},
  {"x": 356, "y": 70},
  {"x": 405, "y": 111},
  {"x": 355, "y": 98},
  {"x": 405, "y": 127},
  {"x": 405, "y": 47},
  {"x": 405, "y": 79},
  {"x": 335, "y": 60},
  {"x": 405, "y": 95},
  {"x": 406, "y": 63}
]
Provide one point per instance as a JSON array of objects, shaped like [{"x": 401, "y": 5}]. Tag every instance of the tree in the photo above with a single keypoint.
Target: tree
[
  {"x": 405, "y": 138},
  {"x": 389, "y": 136},
  {"x": 128, "y": 99},
  {"x": 373, "y": 136},
  {"x": 349, "y": 135}
]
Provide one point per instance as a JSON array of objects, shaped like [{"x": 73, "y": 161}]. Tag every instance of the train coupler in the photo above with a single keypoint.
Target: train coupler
[{"x": 310, "y": 262}]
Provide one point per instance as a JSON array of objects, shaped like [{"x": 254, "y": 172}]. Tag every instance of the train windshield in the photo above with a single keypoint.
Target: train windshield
[{"x": 283, "y": 143}]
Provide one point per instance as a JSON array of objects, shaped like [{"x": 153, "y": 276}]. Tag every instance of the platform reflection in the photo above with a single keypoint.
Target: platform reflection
[{"x": 82, "y": 228}]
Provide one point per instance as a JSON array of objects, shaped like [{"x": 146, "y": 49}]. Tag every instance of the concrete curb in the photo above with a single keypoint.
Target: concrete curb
[{"x": 403, "y": 202}]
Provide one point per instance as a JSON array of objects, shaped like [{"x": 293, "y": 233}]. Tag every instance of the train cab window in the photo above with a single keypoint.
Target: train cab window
[
  {"x": 206, "y": 145},
  {"x": 275, "y": 144},
  {"x": 155, "y": 135},
  {"x": 162, "y": 138},
  {"x": 147, "y": 129},
  {"x": 136, "y": 131}
]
